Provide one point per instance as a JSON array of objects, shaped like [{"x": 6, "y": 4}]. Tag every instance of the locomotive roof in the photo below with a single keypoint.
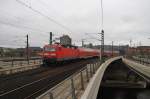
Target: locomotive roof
[
  {"x": 59, "y": 45},
  {"x": 69, "y": 46}
]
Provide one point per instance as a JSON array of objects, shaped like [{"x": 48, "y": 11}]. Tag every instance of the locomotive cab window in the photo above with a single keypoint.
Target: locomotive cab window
[{"x": 49, "y": 49}]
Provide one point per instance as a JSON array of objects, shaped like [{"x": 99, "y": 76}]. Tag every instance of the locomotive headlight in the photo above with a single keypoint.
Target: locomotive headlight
[{"x": 53, "y": 54}]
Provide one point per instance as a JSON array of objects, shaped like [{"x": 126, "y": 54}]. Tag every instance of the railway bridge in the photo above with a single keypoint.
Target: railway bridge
[{"x": 117, "y": 78}]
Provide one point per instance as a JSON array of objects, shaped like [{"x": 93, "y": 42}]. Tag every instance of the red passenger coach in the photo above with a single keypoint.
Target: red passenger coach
[
  {"x": 57, "y": 53},
  {"x": 88, "y": 53}
]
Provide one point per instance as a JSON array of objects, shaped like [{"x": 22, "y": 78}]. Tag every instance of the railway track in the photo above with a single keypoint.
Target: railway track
[{"x": 30, "y": 84}]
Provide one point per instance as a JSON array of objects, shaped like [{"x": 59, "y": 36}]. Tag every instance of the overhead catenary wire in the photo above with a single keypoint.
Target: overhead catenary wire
[
  {"x": 19, "y": 26},
  {"x": 17, "y": 19},
  {"x": 45, "y": 6},
  {"x": 13, "y": 41},
  {"x": 47, "y": 17},
  {"x": 92, "y": 37}
]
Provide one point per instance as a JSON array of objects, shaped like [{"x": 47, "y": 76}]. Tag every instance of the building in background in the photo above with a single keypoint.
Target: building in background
[
  {"x": 19, "y": 52},
  {"x": 90, "y": 45},
  {"x": 139, "y": 50},
  {"x": 65, "y": 40},
  {"x": 34, "y": 51}
]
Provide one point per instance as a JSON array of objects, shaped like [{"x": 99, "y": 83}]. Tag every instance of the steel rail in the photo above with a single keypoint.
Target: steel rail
[{"x": 24, "y": 86}]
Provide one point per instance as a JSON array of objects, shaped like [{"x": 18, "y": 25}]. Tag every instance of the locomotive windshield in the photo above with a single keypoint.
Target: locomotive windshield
[{"x": 49, "y": 49}]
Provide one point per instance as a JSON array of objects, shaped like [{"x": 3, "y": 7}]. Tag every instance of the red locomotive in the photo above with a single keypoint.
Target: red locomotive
[{"x": 57, "y": 53}]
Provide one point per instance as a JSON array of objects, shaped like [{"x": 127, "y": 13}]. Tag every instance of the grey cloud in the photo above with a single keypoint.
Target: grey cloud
[{"x": 123, "y": 20}]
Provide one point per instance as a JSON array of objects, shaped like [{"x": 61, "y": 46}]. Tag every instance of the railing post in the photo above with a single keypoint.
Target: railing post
[
  {"x": 34, "y": 61},
  {"x": 94, "y": 68},
  {"x": 28, "y": 61},
  {"x": 87, "y": 73},
  {"x": 98, "y": 64},
  {"x": 40, "y": 61},
  {"x": 82, "y": 82},
  {"x": 20, "y": 63},
  {"x": 143, "y": 62},
  {"x": 12, "y": 64},
  {"x": 51, "y": 96},
  {"x": 90, "y": 70},
  {"x": 73, "y": 89}
]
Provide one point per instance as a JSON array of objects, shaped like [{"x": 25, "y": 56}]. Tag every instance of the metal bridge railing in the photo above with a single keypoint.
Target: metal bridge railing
[
  {"x": 144, "y": 61},
  {"x": 18, "y": 62},
  {"x": 72, "y": 87},
  {"x": 9, "y": 66}
]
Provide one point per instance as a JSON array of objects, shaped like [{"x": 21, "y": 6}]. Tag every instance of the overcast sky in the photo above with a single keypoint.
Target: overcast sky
[{"x": 123, "y": 20}]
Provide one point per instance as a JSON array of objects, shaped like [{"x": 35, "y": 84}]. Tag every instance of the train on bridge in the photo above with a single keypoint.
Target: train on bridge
[{"x": 58, "y": 53}]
